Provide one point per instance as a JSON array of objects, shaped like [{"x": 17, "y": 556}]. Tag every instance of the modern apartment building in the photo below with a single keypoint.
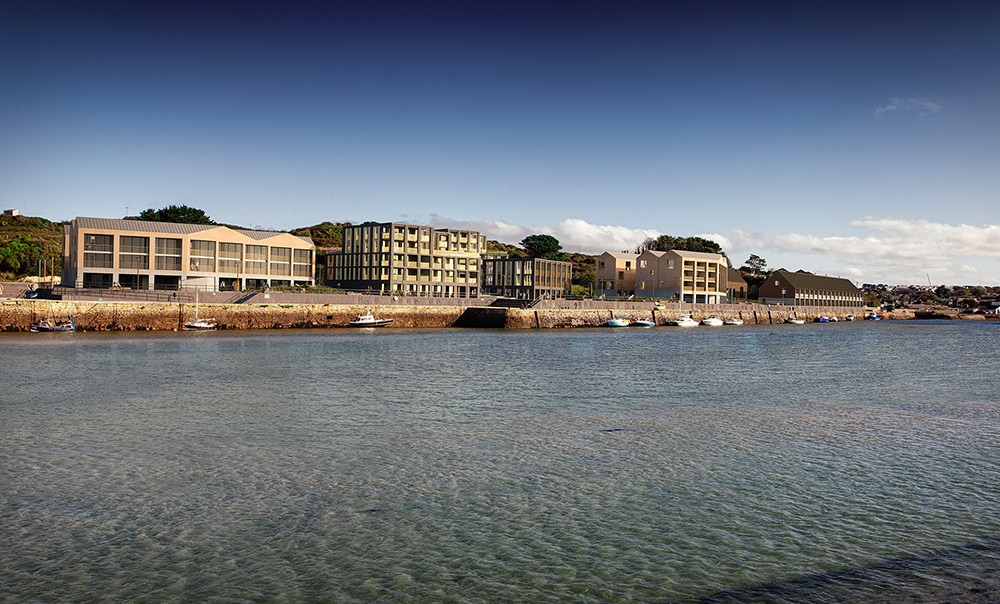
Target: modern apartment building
[
  {"x": 407, "y": 259},
  {"x": 527, "y": 278},
  {"x": 139, "y": 254},
  {"x": 806, "y": 289},
  {"x": 682, "y": 276},
  {"x": 614, "y": 274}
]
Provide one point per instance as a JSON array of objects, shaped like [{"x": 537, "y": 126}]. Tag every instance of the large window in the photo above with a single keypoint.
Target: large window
[
  {"x": 281, "y": 261},
  {"x": 168, "y": 254},
  {"x": 203, "y": 256},
  {"x": 98, "y": 251},
  {"x": 230, "y": 257},
  {"x": 302, "y": 263},
  {"x": 256, "y": 260}
]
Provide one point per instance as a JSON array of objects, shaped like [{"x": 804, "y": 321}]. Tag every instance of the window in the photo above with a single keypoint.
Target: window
[
  {"x": 281, "y": 261},
  {"x": 600, "y": 264},
  {"x": 98, "y": 251},
  {"x": 256, "y": 260},
  {"x": 168, "y": 254},
  {"x": 202, "y": 256},
  {"x": 642, "y": 264},
  {"x": 230, "y": 257},
  {"x": 133, "y": 252}
]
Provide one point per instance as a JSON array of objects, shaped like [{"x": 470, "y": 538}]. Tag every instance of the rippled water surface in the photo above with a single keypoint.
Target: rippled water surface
[{"x": 816, "y": 463}]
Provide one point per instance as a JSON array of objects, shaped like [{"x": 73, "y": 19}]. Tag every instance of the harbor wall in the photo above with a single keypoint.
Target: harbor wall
[{"x": 18, "y": 315}]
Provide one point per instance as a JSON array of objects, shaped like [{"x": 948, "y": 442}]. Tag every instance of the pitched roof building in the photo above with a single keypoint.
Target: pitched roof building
[
  {"x": 141, "y": 254},
  {"x": 807, "y": 289},
  {"x": 614, "y": 274},
  {"x": 684, "y": 276}
]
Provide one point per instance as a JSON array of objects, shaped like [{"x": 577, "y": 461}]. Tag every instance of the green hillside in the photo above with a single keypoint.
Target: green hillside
[{"x": 26, "y": 241}]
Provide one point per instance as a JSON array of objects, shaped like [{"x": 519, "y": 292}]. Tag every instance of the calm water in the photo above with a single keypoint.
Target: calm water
[{"x": 816, "y": 463}]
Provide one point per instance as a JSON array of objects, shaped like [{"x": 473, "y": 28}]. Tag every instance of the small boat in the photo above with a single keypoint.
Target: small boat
[
  {"x": 794, "y": 321},
  {"x": 834, "y": 319},
  {"x": 871, "y": 316},
  {"x": 683, "y": 321},
  {"x": 369, "y": 321},
  {"x": 713, "y": 321},
  {"x": 618, "y": 322},
  {"x": 821, "y": 320},
  {"x": 733, "y": 321},
  {"x": 643, "y": 323},
  {"x": 200, "y": 324},
  {"x": 45, "y": 325},
  {"x": 850, "y": 317}
]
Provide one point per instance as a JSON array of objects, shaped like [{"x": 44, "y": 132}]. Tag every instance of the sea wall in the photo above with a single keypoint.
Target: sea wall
[{"x": 18, "y": 315}]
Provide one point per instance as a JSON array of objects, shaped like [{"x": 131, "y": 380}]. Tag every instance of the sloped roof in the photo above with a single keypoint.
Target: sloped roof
[
  {"x": 175, "y": 228},
  {"x": 622, "y": 255},
  {"x": 804, "y": 280},
  {"x": 735, "y": 276}
]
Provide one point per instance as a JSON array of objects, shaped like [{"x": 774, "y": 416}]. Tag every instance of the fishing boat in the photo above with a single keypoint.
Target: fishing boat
[
  {"x": 643, "y": 323},
  {"x": 713, "y": 321},
  {"x": 200, "y": 324},
  {"x": 794, "y": 321},
  {"x": 618, "y": 322},
  {"x": 369, "y": 320},
  {"x": 733, "y": 321},
  {"x": 683, "y": 321},
  {"x": 46, "y": 326}
]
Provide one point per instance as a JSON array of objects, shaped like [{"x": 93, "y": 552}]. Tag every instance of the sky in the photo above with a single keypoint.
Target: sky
[{"x": 851, "y": 139}]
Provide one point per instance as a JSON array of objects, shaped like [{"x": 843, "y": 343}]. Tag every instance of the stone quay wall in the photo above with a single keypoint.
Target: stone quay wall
[{"x": 19, "y": 314}]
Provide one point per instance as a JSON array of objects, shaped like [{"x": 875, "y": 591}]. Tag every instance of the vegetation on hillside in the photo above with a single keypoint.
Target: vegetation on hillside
[{"x": 26, "y": 242}]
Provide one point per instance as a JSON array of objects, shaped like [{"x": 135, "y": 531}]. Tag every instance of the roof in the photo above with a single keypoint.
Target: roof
[
  {"x": 621, "y": 255},
  {"x": 802, "y": 280},
  {"x": 175, "y": 228},
  {"x": 735, "y": 276}
]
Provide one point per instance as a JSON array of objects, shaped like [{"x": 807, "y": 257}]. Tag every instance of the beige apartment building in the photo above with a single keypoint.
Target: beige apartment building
[
  {"x": 683, "y": 276},
  {"x": 614, "y": 274},
  {"x": 407, "y": 259},
  {"x": 139, "y": 254}
]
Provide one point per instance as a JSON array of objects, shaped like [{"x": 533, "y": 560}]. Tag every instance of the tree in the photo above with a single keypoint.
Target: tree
[
  {"x": 542, "y": 246},
  {"x": 665, "y": 243},
  {"x": 183, "y": 214},
  {"x": 755, "y": 265}
]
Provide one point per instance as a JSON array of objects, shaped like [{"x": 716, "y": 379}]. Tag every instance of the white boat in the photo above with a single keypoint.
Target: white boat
[
  {"x": 46, "y": 326},
  {"x": 871, "y": 316},
  {"x": 850, "y": 317},
  {"x": 618, "y": 322},
  {"x": 733, "y": 321},
  {"x": 200, "y": 324},
  {"x": 683, "y": 321},
  {"x": 795, "y": 321},
  {"x": 643, "y": 323},
  {"x": 369, "y": 321},
  {"x": 713, "y": 321}
]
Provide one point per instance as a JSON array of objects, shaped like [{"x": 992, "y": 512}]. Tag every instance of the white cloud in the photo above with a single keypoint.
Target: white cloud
[
  {"x": 573, "y": 233},
  {"x": 923, "y": 106}
]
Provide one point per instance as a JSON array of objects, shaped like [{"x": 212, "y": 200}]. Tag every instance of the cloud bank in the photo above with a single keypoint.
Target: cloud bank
[{"x": 887, "y": 250}]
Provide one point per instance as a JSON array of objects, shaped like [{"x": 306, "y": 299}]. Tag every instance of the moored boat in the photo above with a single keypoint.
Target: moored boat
[
  {"x": 794, "y": 321},
  {"x": 45, "y": 325},
  {"x": 733, "y": 321},
  {"x": 618, "y": 322},
  {"x": 642, "y": 323},
  {"x": 369, "y": 321},
  {"x": 713, "y": 321},
  {"x": 683, "y": 321}
]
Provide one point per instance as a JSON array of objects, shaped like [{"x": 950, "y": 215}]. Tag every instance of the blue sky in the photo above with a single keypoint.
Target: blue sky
[{"x": 857, "y": 139}]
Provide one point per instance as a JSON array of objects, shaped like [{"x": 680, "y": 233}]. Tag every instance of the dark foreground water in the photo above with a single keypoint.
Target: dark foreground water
[{"x": 817, "y": 463}]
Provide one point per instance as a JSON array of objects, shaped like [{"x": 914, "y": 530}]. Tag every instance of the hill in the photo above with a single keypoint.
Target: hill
[{"x": 27, "y": 241}]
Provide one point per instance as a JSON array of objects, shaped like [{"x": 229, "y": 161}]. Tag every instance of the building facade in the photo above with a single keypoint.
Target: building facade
[
  {"x": 407, "y": 259},
  {"x": 614, "y": 274},
  {"x": 683, "y": 276},
  {"x": 737, "y": 288},
  {"x": 806, "y": 289},
  {"x": 527, "y": 278},
  {"x": 139, "y": 254}
]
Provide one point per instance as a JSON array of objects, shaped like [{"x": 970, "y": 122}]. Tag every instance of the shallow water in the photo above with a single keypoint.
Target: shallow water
[{"x": 816, "y": 463}]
